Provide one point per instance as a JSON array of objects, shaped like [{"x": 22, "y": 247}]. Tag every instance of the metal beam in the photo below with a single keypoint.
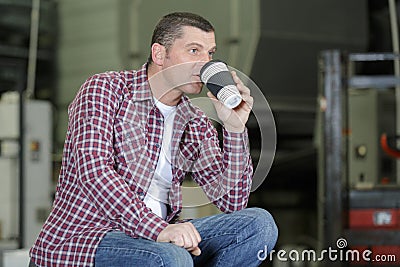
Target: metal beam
[{"x": 332, "y": 162}]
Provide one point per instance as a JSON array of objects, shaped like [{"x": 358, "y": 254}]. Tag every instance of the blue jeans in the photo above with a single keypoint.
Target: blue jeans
[{"x": 235, "y": 239}]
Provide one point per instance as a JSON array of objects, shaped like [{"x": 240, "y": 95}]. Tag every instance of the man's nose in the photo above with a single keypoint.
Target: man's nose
[
  {"x": 203, "y": 61},
  {"x": 200, "y": 64}
]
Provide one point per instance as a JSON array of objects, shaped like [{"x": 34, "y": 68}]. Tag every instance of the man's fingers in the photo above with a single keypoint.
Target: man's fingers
[
  {"x": 197, "y": 234},
  {"x": 189, "y": 242},
  {"x": 217, "y": 104},
  {"x": 191, "y": 236},
  {"x": 184, "y": 235},
  {"x": 249, "y": 101},
  {"x": 236, "y": 78},
  {"x": 244, "y": 90},
  {"x": 194, "y": 235},
  {"x": 179, "y": 241},
  {"x": 195, "y": 251},
  {"x": 187, "y": 237}
]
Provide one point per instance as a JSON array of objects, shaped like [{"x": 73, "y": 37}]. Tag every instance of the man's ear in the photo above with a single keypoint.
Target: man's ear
[{"x": 158, "y": 53}]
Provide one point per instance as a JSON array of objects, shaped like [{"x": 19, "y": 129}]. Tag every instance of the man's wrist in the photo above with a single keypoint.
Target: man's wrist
[
  {"x": 235, "y": 142},
  {"x": 234, "y": 129}
]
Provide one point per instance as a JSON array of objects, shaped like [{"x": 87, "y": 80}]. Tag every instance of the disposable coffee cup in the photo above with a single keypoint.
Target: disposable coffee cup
[{"x": 218, "y": 79}]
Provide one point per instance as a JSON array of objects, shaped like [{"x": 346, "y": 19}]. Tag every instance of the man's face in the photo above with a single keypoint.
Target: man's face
[{"x": 186, "y": 56}]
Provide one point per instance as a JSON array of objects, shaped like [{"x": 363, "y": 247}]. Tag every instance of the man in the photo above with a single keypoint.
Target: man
[{"x": 132, "y": 137}]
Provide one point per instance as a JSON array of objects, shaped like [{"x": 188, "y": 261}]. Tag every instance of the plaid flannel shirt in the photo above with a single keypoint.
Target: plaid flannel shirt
[{"x": 111, "y": 150}]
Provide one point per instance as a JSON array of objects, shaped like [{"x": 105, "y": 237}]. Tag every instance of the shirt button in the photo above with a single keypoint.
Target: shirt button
[{"x": 157, "y": 145}]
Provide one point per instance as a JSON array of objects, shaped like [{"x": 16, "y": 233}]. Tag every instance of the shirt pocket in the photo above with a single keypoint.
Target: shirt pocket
[
  {"x": 185, "y": 156},
  {"x": 189, "y": 150},
  {"x": 133, "y": 141}
]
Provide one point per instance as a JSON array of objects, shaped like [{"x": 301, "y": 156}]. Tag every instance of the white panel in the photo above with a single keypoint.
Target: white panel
[
  {"x": 16, "y": 258},
  {"x": 38, "y": 168},
  {"x": 9, "y": 120},
  {"x": 8, "y": 199}
]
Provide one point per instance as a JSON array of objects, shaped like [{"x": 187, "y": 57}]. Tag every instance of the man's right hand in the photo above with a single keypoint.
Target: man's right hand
[{"x": 183, "y": 235}]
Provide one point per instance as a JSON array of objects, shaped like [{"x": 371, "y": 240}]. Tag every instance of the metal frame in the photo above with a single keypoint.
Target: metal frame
[
  {"x": 336, "y": 75},
  {"x": 331, "y": 164}
]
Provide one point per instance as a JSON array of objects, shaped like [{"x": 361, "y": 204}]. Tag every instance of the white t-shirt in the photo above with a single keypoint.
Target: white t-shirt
[{"x": 157, "y": 195}]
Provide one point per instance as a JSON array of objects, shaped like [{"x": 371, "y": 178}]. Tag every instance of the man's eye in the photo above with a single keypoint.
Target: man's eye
[
  {"x": 193, "y": 50},
  {"x": 211, "y": 53}
]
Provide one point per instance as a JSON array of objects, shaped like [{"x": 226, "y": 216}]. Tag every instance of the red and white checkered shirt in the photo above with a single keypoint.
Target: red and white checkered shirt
[{"x": 111, "y": 150}]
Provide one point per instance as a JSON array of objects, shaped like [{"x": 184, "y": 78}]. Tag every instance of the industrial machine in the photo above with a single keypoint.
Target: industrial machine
[
  {"x": 25, "y": 170},
  {"x": 359, "y": 188}
]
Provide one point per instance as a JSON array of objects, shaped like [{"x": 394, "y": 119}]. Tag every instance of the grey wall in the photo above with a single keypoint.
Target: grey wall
[
  {"x": 292, "y": 35},
  {"x": 101, "y": 35}
]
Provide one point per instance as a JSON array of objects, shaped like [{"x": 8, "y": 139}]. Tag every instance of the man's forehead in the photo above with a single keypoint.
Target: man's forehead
[{"x": 190, "y": 32}]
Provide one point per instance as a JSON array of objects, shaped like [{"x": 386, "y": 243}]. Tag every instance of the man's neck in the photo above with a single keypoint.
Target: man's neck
[{"x": 159, "y": 87}]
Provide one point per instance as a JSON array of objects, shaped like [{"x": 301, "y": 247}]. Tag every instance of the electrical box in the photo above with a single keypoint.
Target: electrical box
[
  {"x": 371, "y": 112},
  {"x": 37, "y": 170}
]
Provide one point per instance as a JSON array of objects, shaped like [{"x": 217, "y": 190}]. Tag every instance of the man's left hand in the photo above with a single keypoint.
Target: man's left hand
[{"x": 234, "y": 120}]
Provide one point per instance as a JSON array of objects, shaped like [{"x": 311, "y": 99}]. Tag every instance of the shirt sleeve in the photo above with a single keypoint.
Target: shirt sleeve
[
  {"x": 225, "y": 176},
  {"x": 92, "y": 116}
]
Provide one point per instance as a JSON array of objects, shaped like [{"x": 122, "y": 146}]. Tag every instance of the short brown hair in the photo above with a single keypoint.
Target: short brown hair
[{"x": 169, "y": 28}]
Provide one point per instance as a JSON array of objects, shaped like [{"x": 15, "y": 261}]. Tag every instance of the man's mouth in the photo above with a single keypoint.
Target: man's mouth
[{"x": 197, "y": 77}]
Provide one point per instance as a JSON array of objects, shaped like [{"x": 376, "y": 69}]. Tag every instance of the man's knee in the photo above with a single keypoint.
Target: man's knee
[
  {"x": 264, "y": 227},
  {"x": 263, "y": 218},
  {"x": 173, "y": 255}
]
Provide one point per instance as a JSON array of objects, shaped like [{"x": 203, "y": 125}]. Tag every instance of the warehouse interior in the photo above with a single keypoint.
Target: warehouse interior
[{"x": 329, "y": 71}]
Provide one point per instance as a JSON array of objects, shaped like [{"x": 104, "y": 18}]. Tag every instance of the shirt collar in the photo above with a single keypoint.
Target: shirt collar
[{"x": 142, "y": 91}]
